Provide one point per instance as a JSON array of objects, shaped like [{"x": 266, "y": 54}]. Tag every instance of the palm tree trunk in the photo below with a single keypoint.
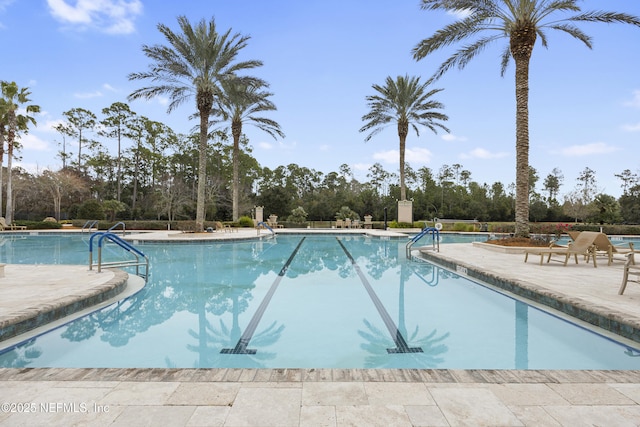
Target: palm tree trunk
[
  {"x": 119, "y": 166},
  {"x": 204, "y": 101},
  {"x": 202, "y": 172},
  {"x": 403, "y": 130},
  {"x": 9, "y": 214},
  {"x": 521, "y": 45},
  {"x": 236, "y": 130},
  {"x": 522, "y": 148}
]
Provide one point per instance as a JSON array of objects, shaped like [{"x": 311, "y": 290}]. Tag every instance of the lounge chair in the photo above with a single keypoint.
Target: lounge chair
[
  {"x": 339, "y": 223},
  {"x": 605, "y": 247},
  {"x": 5, "y": 226},
  {"x": 583, "y": 245},
  {"x": 630, "y": 269}
]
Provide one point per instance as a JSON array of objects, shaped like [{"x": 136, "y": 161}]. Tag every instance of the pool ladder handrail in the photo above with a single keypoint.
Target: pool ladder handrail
[
  {"x": 265, "y": 226},
  {"x": 137, "y": 262},
  {"x": 89, "y": 225},
  {"x": 117, "y": 224},
  {"x": 435, "y": 235}
]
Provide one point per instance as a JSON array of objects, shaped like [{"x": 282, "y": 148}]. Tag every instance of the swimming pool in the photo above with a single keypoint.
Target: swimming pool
[{"x": 304, "y": 301}]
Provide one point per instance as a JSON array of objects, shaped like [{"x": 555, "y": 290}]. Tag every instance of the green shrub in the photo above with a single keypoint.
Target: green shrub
[
  {"x": 91, "y": 209},
  {"x": 245, "y": 221},
  {"x": 396, "y": 224},
  {"x": 39, "y": 225}
]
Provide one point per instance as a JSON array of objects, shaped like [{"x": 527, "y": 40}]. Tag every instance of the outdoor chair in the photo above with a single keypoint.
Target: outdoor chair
[
  {"x": 583, "y": 245},
  {"x": 630, "y": 269},
  {"x": 605, "y": 247},
  {"x": 5, "y": 226}
]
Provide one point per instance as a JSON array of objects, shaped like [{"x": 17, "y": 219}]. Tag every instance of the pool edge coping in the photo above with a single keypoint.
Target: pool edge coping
[
  {"x": 602, "y": 317},
  {"x": 301, "y": 375}
]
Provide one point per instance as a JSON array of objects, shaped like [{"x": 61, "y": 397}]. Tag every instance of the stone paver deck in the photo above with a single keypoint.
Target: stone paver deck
[{"x": 338, "y": 397}]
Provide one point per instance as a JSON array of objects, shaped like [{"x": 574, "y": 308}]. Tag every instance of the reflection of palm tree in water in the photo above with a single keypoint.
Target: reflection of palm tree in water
[
  {"x": 379, "y": 341},
  {"x": 231, "y": 294},
  {"x": 211, "y": 339},
  {"x": 21, "y": 356}
]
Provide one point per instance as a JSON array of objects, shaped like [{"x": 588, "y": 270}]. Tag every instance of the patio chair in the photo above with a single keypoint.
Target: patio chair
[
  {"x": 630, "y": 269},
  {"x": 583, "y": 245},
  {"x": 5, "y": 226},
  {"x": 605, "y": 247}
]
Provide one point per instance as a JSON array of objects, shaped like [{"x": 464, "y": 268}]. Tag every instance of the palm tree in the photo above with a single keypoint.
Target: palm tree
[
  {"x": 404, "y": 102},
  {"x": 521, "y": 22},
  {"x": 194, "y": 64},
  {"x": 240, "y": 103},
  {"x": 13, "y": 98}
]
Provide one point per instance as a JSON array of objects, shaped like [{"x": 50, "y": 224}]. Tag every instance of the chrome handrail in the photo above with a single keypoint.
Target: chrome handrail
[
  {"x": 117, "y": 224},
  {"x": 435, "y": 234},
  {"x": 265, "y": 226},
  {"x": 89, "y": 224},
  {"x": 124, "y": 245}
]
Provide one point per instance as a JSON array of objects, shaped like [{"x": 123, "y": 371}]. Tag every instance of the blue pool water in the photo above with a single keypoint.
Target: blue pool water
[{"x": 301, "y": 301}]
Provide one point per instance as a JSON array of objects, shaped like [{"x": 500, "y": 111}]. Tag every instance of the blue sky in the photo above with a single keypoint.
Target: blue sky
[{"x": 321, "y": 59}]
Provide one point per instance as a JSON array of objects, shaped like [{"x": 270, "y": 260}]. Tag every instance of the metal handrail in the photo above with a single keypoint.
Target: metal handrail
[
  {"x": 137, "y": 262},
  {"x": 435, "y": 234},
  {"x": 265, "y": 226},
  {"x": 89, "y": 224},
  {"x": 117, "y": 224}
]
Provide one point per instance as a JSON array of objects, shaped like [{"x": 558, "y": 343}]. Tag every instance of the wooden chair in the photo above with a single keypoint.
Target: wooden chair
[{"x": 630, "y": 269}]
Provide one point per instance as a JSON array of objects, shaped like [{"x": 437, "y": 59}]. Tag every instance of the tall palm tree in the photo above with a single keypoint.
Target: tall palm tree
[
  {"x": 11, "y": 100},
  {"x": 241, "y": 103},
  {"x": 520, "y": 22},
  {"x": 404, "y": 102},
  {"x": 193, "y": 65}
]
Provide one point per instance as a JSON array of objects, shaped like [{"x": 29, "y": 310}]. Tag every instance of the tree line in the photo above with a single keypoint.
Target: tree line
[{"x": 151, "y": 173}]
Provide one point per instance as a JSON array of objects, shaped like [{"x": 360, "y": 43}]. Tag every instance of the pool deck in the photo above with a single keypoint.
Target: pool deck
[{"x": 327, "y": 397}]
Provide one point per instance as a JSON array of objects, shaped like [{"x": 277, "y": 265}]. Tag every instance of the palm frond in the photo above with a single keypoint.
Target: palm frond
[
  {"x": 504, "y": 63},
  {"x": 574, "y": 32},
  {"x": 462, "y": 57},
  {"x": 607, "y": 17},
  {"x": 450, "y": 34}
]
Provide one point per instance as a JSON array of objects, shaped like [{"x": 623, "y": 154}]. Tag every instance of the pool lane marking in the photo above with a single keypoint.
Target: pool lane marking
[
  {"x": 243, "y": 342},
  {"x": 396, "y": 335}
]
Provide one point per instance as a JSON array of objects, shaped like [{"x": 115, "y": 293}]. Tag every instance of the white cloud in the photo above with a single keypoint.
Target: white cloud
[
  {"x": 588, "y": 149},
  {"x": 361, "y": 166},
  {"x": 35, "y": 168},
  {"x": 481, "y": 153},
  {"x": 390, "y": 156},
  {"x": 108, "y": 87},
  {"x": 324, "y": 147},
  {"x": 279, "y": 145},
  {"x": 459, "y": 13},
  {"x": 33, "y": 142},
  {"x": 109, "y": 16},
  {"x": 5, "y": 3},
  {"x": 49, "y": 125},
  {"x": 635, "y": 102},
  {"x": 418, "y": 155},
  {"x": 414, "y": 156},
  {"x": 451, "y": 137},
  {"x": 87, "y": 95},
  {"x": 632, "y": 128}
]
